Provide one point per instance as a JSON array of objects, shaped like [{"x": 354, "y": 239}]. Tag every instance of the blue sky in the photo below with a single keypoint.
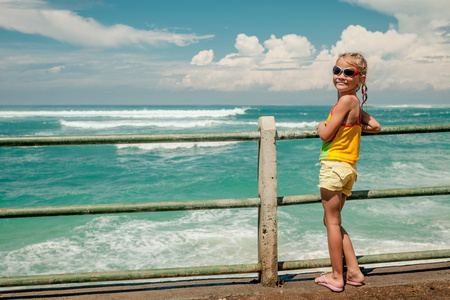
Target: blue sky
[{"x": 219, "y": 52}]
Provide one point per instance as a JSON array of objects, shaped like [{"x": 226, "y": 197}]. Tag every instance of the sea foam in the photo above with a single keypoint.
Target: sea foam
[
  {"x": 172, "y": 146},
  {"x": 299, "y": 125},
  {"x": 127, "y": 114},
  {"x": 122, "y": 243},
  {"x": 133, "y": 123}
]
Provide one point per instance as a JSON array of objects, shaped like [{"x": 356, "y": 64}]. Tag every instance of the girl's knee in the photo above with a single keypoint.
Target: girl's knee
[{"x": 332, "y": 220}]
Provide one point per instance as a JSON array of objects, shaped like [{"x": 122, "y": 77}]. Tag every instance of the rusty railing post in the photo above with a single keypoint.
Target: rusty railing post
[{"x": 267, "y": 192}]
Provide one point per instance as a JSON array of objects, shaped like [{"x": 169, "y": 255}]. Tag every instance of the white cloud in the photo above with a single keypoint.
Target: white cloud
[
  {"x": 287, "y": 49},
  {"x": 384, "y": 45},
  {"x": 424, "y": 61},
  {"x": 423, "y": 13},
  {"x": 203, "y": 58},
  {"x": 277, "y": 66},
  {"x": 430, "y": 20},
  {"x": 56, "y": 69},
  {"x": 250, "y": 53},
  {"x": 35, "y": 17},
  {"x": 248, "y": 45},
  {"x": 415, "y": 56}
]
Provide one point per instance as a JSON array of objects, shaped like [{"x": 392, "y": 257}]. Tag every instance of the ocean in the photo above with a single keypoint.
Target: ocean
[{"x": 99, "y": 174}]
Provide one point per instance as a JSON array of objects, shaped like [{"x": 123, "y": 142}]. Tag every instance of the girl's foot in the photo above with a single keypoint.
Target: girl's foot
[
  {"x": 322, "y": 280},
  {"x": 356, "y": 279}
]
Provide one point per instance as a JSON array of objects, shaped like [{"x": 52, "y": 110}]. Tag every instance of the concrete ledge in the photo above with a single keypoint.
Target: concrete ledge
[{"x": 423, "y": 281}]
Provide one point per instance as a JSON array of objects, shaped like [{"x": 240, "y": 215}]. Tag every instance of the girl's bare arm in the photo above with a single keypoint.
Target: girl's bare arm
[
  {"x": 369, "y": 124},
  {"x": 340, "y": 113}
]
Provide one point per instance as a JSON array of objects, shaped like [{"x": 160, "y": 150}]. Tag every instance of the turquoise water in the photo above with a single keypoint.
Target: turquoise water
[{"x": 45, "y": 176}]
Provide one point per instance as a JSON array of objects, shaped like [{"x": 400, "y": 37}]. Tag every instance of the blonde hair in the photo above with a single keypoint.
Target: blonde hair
[{"x": 359, "y": 62}]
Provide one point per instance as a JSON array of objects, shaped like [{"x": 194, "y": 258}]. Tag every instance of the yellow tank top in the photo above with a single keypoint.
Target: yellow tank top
[{"x": 345, "y": 144}]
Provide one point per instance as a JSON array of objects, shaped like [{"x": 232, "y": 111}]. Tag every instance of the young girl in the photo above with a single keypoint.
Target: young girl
[{"x": 341, "y": 135}]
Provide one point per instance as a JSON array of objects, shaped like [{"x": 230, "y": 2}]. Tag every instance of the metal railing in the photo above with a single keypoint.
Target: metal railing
[
  {"x": 267, "y": 203},
  {"x": 27, "y": 141}
]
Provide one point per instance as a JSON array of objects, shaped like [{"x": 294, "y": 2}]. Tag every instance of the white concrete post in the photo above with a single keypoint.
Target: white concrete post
[{"x": 267, "y": 192}]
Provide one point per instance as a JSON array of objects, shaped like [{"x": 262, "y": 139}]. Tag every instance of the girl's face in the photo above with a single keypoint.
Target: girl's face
[{"x": 345, "y": 84}]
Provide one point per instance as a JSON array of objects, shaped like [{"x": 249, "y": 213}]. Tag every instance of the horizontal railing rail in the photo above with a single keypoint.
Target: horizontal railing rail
[
  {"x": 385, "y": 130},
  {"x": 367, "y": 259},
  {"x": 93, "y": 209},
  {"x": 267, "y": 203},
  {"x": 128, "y": 275},
  {"x": 26, "y": 141}
]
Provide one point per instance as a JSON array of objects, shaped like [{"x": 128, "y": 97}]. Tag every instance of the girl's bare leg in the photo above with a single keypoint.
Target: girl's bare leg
[
  {"x": 353, "y": 271},
  {"x": 332, "y": 204}
]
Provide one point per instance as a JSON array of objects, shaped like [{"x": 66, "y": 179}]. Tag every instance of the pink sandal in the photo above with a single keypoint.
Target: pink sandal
[
  {"x": 326, "y": 284},
  {"x": 353, "y": 282}
]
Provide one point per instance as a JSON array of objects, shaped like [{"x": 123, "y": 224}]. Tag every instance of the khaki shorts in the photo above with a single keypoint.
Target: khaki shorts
[{"x": 337, "y": 176}]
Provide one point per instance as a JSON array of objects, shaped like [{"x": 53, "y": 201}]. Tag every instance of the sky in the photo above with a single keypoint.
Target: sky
[{"x": 211, "y": 52}]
